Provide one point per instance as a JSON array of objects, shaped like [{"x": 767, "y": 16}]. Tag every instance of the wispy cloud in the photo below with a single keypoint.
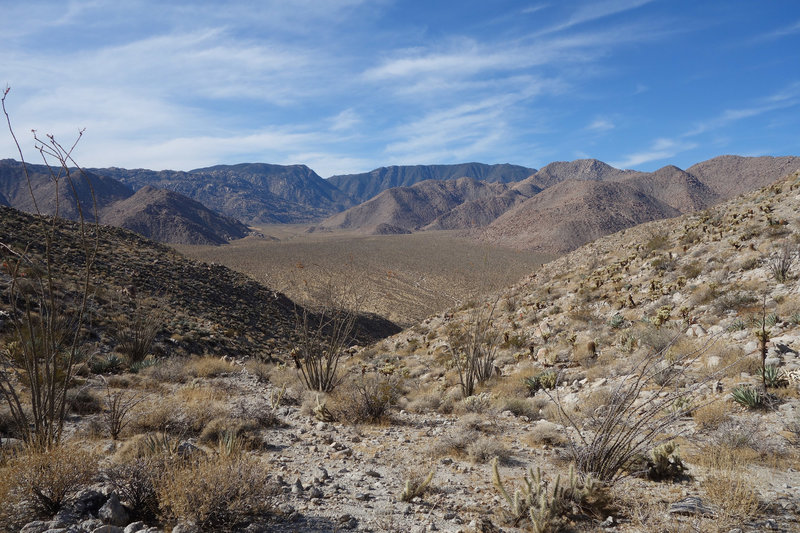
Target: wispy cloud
[
  {"x": 780, "y": 32},
  {"x": 600, "y": 124},
  {"x": 592, "y": 11},
  {"x": 660, "y": 150},
  {"x": 787, "y": 97}
]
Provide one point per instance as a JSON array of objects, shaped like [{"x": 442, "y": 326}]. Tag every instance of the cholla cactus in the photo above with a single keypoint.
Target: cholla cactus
[{"x": 543, "y": 507}]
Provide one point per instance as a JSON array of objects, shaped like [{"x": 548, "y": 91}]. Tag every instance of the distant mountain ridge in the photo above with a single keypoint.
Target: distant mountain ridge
[
  {"x": 564, "y": 204},
  {"x": 256, "y": 193},
  {"x": 157, "y": 214},
  {"x": 362, "y": 187}
]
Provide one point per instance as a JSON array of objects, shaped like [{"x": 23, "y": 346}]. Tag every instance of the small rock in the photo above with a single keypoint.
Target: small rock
[
  {"x": 360, "y": 496},
  {"x": 608, "y": 522},
  {"x": 112, "y": 512},
  {"x": 297, "y": 487},
  {"x": 691, "y": 506},
  {"x": 314, "y": 492},
  {"x": 321, "y": 474},
  {"x": 134, "y": 527},
  {"x": 109, "y": 529},
  {"x": 185, "y": 527},
  {"x": 37, "y": 526},
  {"x": 373, "y": 473}
]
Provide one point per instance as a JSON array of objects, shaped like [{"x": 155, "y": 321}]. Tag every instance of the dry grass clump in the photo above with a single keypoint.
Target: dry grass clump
[
  {"x": 208, "y": 367},
  {"x": 426, "y": 402},
  {"x": 728, "y": 486},
  {"x": 216, "y": 493},
  {"x": 455, "y": 443},
  {"x": 243, "y": 429},
  {"x": 83, "y": 401},
  {"x": 34, "y": 484},
  {"x": 712, "y": 415},
  {"x": 171, "y": 370}
]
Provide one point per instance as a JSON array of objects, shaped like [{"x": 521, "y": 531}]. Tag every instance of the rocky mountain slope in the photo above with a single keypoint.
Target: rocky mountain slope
[
  {"x": 571, "y": 213},
  {"x": 415, "y": 207},
  {"x": 362, "y": 187},
  {"x": 157, "y": 214},
  {"x": 252, "y": 192},
  {"x": 205, "y": 308}
]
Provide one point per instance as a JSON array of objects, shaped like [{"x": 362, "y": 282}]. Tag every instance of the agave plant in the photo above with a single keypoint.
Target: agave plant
[
  {"x": 748, "y": 396},
  {"x": 773, "y": 376}
]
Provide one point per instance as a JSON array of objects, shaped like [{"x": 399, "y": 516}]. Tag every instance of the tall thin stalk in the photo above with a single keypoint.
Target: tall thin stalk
[{"x": 47, "y": 319}]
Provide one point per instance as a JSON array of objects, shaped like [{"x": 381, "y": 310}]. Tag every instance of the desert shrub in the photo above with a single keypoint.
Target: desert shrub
[
  {"x": 692, "y": 269},
  {"x": 546, "y": 433},
  {"x": 425, "y": 402},
  {"x": 521, "y": 407},
  {"x": 484, "y": 449},
  {"x": 83, "y": 402},
  {"x": 171, "y": 370},
  {"x": 473, "y": 346},
  {"x": 134, "y": 481},
  {"x": 479, "y": 403},
  {"x": 631, "y": 423},
  {"x": 324, "y": 331},
  {"x": 656, "y": 241},
  {"x": 365, "y": 398},
  {"x": 780, "y": 263},
  {"x": 734, "y": 300},
  {"x": 136, "y": 332},
  {"x": 728, "y": 486},
  {"x": 455, "y": 442},
  {"x": 37, "y": 483},
  {"x": 117, "y": 406},
  {"x": 215, "y": 493}
]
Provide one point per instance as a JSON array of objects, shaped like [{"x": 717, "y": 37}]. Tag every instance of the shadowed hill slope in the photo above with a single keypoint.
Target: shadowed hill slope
[
  {"x": 170, "y": 217},
  {"x": 206, "y": 308}
]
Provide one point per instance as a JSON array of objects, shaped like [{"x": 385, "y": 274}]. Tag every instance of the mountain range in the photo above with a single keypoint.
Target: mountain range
[{"x": 551, "y": 210}]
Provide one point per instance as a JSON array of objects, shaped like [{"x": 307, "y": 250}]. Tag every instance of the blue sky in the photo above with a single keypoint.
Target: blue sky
[{"x": 350, "y": 85}]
